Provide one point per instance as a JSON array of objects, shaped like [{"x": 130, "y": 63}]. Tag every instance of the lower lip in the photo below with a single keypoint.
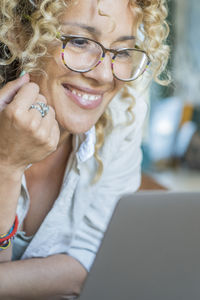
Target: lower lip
[{"x": 86, "y": 104}]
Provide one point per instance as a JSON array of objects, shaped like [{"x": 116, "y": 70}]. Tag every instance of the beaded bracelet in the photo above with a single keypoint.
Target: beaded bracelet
[
  {"x": 5, "y": 235},
  {"x": 5, "y": 245},
  {"x": 5, "y": 239}
]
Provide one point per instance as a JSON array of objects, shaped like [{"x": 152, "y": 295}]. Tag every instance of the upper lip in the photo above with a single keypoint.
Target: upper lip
[{"x": 83, "y": 89}]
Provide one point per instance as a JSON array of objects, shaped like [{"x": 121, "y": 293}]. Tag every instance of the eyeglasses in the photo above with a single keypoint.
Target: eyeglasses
[{"x": 81, "y": 54}]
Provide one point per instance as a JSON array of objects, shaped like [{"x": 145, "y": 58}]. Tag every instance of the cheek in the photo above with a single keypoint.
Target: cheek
[
  {"x": 118, "y": 86},
  {"x": 57, "y": 58},
  {"x": 53, "y": 64}
]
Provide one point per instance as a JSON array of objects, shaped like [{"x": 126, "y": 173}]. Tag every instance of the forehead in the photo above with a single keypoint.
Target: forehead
[{"x": 110, "y": 18}]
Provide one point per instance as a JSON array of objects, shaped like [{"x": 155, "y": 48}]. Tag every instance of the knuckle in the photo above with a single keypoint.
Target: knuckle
[
  {"x": 17, "y": 114},
  {"x": 33, "y": 125},
  {"x": 41, "y": 135},
  {"x": 52, "y": 145}
]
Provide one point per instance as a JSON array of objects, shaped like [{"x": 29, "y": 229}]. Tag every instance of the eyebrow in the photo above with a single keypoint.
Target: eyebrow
[
  {"x": 83, "y": 26},
  {"x": 95, "y": 31}
]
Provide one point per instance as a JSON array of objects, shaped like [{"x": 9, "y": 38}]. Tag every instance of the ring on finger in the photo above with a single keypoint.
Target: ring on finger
[{"x": 41, "y": 107}]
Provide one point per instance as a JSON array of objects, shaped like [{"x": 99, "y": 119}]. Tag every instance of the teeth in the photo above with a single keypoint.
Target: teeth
[
  {"x": 86, "y": 97},
  {"x": 92, "y": 98}
]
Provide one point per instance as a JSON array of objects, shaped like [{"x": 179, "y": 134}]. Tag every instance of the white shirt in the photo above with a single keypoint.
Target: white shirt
[{"x": 79, "y": 217}]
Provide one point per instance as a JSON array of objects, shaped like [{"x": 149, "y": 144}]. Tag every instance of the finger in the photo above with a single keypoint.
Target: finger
[
  {"x": 34, "y": 115},
  {"x": 34, "y": 111},
  {"x": 8, "y": 92},
  {"x": 44, "y": 131},
  {"x": 41, "y": 98},
  {"x": 26, "y": 96},
  {"x": 48, "y": 121},
  {"x": 54, "y": 136}
]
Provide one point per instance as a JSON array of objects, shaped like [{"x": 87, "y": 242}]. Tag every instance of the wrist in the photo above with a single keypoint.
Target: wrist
[{"x": 6, "y": 226}]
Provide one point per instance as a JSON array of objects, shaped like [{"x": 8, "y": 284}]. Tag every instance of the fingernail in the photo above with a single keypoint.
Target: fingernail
[{"x": 22, "y": 73}]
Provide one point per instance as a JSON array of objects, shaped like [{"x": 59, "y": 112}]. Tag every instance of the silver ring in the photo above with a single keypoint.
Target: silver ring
[{"x": 41, "y": 107}]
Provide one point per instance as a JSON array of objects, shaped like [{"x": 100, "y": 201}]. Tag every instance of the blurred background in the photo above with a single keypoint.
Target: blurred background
[{"x": 171, "y": 144}]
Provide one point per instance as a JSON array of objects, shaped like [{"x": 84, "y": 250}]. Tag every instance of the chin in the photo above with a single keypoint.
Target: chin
[
  {"x": 78, "y": 122},
  {"x": 76, "y": 128}
]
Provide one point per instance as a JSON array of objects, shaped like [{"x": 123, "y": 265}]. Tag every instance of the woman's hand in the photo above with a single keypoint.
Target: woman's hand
[{"x": 26, "y": 137}]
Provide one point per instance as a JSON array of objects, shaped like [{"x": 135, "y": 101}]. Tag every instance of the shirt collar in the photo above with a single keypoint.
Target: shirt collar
[{"x": 84, "y": 145}]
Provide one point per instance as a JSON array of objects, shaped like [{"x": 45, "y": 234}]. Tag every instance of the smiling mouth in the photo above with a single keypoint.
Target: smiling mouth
[
  {"x": 82, "y": 98},
  {"x": 82, "y": 94}
]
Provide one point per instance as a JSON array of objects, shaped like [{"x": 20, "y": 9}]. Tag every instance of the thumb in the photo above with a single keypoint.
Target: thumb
[{"x": 8, "y": 92}]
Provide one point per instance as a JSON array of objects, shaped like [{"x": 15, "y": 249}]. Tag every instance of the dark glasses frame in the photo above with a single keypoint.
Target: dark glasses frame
[{"x": 67, "y": 38}]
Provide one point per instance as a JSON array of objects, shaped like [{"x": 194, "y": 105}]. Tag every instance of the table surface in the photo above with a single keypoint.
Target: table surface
[
  {"x": 148, "y": 183},
  {"x": 179, "y": 179}
]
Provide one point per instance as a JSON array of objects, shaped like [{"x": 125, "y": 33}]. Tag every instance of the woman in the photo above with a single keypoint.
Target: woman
[{"x": 68, "y": 153}]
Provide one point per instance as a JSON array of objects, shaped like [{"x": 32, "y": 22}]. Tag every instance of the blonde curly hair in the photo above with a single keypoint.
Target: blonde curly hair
[{"x": 38, "y": 22}]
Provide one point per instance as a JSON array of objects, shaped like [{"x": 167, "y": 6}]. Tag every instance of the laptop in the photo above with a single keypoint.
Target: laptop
[{"x": 151, "y": 250}]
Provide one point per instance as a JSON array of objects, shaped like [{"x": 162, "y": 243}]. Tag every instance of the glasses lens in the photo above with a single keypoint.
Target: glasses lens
[
  {"x": 81, "y": 54},
  {"x": 130, "y": 64}
]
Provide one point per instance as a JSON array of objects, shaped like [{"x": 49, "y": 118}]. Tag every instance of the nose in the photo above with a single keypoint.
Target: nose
[{"x": 103, "y": 72}]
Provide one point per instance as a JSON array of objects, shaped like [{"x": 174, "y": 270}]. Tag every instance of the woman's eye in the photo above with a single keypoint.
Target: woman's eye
[
  {"x": 78, "y": 42},
  {"x": 123, "y": 54}
]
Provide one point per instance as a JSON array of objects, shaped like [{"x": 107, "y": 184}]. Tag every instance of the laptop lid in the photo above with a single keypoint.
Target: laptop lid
[{"x": 151, "y": 250}]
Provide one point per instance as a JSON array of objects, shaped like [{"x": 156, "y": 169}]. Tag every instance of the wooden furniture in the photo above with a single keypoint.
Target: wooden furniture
[{"x": 150, "y": 184}]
